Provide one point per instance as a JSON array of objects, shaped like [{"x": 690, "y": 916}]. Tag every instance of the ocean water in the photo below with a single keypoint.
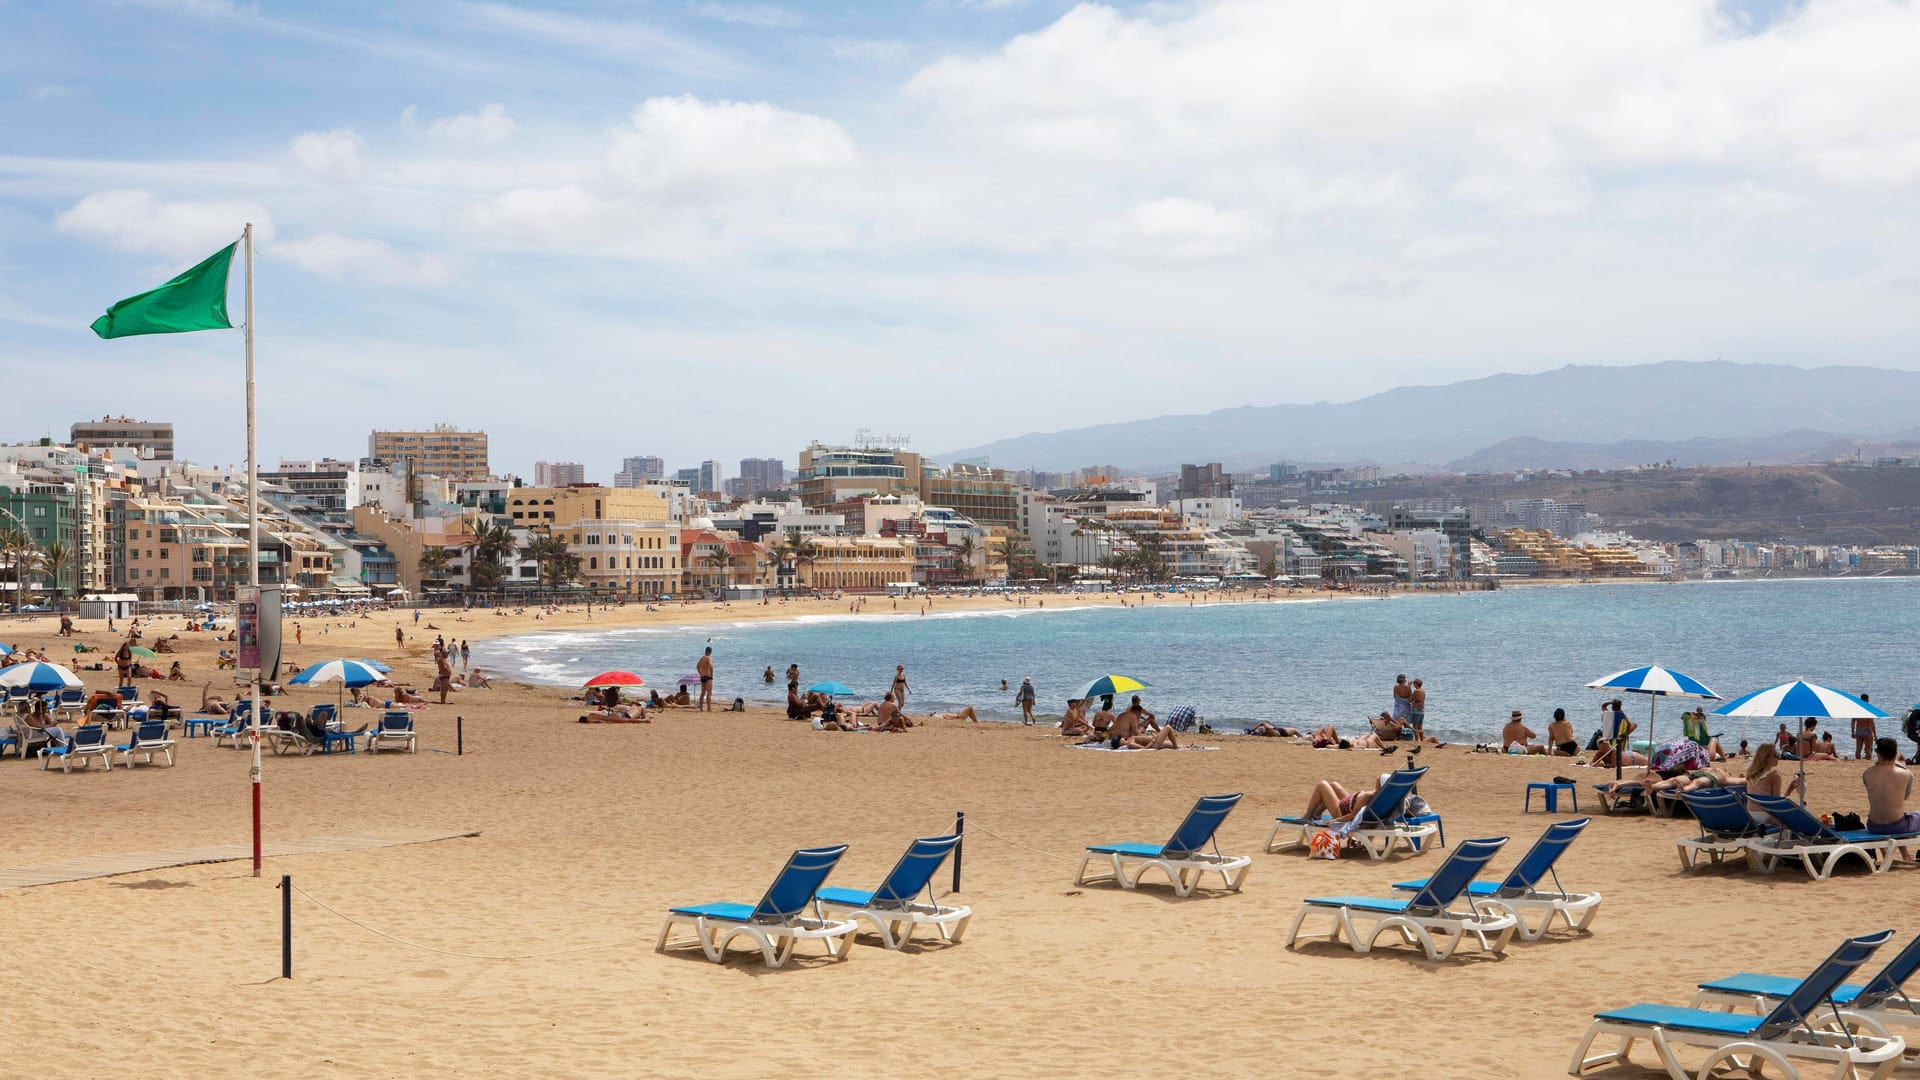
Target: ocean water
[{"x": 1315, "y": 661}]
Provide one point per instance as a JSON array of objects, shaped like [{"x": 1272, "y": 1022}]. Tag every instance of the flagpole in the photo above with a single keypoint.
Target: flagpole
[{"x": 253, "y": 547}]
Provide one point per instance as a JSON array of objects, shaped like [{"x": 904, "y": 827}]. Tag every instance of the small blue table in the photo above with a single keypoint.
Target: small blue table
[
  {"x": 1422, "y": 819},
  {"x": 1550, "y": 795},
  {"x": 327, "y": 739},
  {"x": 202, "y": 723}
]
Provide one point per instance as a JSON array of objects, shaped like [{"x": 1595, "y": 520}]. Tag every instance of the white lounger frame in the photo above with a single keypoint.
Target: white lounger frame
[
  {"x": 776, "y": 940},
  {"x": 163, "y": 747},
  {"x": 1761, "y": 1004},
  {"x": 1715, "y": 848},
  {"x": 1819, "y": 859},
  {"x": 1873, "y": 1054},
  {"x": 896, "y": 925},
  {"x": 1376, "y": 842},
  {"x": 1185, "y": 873},
  {"x": 377, "y": 738},
  {"x": 1450, "y": 928},
  {"x": 1577, "y": 909}
]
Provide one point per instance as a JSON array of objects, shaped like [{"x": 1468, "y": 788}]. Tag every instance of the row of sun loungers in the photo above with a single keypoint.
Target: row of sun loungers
[
  {"x": 1727, "y": 830},
  {"x": 151, "y": 738},
  {"x": 89, "y": 744}
]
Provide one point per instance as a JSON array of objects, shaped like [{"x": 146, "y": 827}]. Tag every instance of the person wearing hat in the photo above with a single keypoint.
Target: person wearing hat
[
  {"x": 1025, "y": 696},
  {"x": 1517, "y": 738}
]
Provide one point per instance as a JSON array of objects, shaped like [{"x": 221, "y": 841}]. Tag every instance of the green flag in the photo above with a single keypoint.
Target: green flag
[{"x": 196, "y": 300}]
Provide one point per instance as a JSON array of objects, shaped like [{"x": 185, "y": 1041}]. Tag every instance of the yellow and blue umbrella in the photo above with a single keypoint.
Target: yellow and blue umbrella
[{"x": 1109, "y": 685}]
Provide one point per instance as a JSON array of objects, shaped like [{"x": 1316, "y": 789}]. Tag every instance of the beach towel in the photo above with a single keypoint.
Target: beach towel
[{"x": 1103, "y": 747}]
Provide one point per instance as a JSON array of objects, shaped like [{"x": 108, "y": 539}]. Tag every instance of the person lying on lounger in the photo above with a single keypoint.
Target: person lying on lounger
[{"x": 1330, "y": 798}]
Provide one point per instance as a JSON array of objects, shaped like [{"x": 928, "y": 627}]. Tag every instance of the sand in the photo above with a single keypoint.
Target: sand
[{"x": 587, "y": 833}]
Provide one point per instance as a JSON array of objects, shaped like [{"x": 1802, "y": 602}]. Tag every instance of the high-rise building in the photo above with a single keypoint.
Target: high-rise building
[
  {"x": 558, "y": 473},
  {"x": 635, "y": 471},
  {"x": 1205, "y": 482},
  {"x": 444, "y": 450},
  {"x": 147, "y": 438},
  {"x": 711, "y": 476},
  {"x": 689, "y": 477},
  {"x": 760, "y": 475}
]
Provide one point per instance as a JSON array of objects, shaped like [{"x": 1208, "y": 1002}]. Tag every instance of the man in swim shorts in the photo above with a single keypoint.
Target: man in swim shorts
[
  {"x": 1560, "y": 740},
  {"x": 705, "y": 670}
]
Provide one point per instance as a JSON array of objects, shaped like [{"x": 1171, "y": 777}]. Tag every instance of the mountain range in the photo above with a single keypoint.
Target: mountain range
[{"x": 1575, "y": 417}]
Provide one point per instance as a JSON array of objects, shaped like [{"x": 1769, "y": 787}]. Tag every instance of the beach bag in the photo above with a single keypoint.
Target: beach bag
[
  {"x": 1845, "y": 821},
  {"x": 1323, "y": 845}
]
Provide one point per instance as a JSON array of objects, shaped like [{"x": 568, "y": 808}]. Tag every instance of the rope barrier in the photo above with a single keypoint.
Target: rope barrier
[
  {"x": 324, "y": 906},
  {"x": 973, "y": 823}
]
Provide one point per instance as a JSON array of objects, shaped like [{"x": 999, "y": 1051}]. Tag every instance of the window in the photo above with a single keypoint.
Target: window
[
  {"x": 593, "y": 562},
  {"x": 39, "y": 532},
  {"x": 39, "y": 511},
  {"x": 163, "y": 571}
]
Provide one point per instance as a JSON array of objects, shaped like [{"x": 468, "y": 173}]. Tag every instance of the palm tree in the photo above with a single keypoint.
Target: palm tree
[
  {"x": 55, "y": 560},
  {"x": 556, "y": 561},
  {"x": 16, "y": 545},
  {"x": 485, "y": 546},
  {"x": 797, "y": 550},
  {"x": 722, "y": 560},
  {"x": 965, "y": 549},
  {"x": 433, "y": 565}
]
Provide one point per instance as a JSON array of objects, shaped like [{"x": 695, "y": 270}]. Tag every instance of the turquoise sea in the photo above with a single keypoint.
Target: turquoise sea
[{"x": 1309, "y": 662}]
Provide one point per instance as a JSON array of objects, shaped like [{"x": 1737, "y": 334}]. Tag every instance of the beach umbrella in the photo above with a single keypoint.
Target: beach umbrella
[
  {"x": 143, "y": 651},
  {"x": 1655, "y": 682},
  {"x": 614, "y": 678},
  {"x": 5, "y": 649},
  {"x": 40, "y": 678},
  {"x": 1110, "y": 685},
  {"x": 689, "y": 680},
  {"x": 830, "y": 688},
  {"x": 345, "y": 672},
  {"x": 1796, "y": 699},
  {"x": 377, "y": 666}
]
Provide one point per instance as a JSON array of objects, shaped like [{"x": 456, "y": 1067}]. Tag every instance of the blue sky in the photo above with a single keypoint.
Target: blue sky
[{"x": 702, "y": 229}]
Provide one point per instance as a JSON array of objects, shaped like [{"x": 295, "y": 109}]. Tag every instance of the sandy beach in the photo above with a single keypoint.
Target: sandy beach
[{"x": 587, "y": 833}]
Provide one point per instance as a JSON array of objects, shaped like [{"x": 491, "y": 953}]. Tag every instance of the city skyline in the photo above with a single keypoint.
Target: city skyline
[{"x": 794, "y": 212}]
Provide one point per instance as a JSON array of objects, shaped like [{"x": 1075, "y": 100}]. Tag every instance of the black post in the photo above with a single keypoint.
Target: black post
[
  {"x": 459, "y": 735},
  {"x": 286, "y": 926},
  {"x": 960, "y": 830}
]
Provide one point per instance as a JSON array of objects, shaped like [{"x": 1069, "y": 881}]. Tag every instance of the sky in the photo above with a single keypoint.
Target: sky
[{"x": 714, "y": 229}]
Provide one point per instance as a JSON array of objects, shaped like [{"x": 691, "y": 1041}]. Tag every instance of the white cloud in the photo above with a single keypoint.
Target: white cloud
[
  {"x": 489, "y": 125},
  {"x": 1181, "y": 228},
  {"x": 136, "y": 221},
  {"x": 620, "y": 39},
  {"x": 765, "y": 16},
  {"x": 328, "y": 157},
  {"x": 335, "y": 256}
]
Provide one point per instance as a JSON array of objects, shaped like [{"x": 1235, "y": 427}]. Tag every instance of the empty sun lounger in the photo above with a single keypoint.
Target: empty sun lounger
[
  {"x": 1882, "y": 998},
  {"x": 1423, "y": 918},
  {"x": 1818, "y": 847},
  {"x": 1725, "y": 826},
  {"x": 894, "y": 909},
  {"x": 1521, "y": 891},
  {"x": 1798, "y": 1028},
  {"x": 149, "y": 738},
  {"x": 395, "y": 732},
  {"x": 1184, "y": 859},
  {"x": 1380, "y": 826},
  {"x": 777, "y": 923},
  {"x": 87, "y": 745}
]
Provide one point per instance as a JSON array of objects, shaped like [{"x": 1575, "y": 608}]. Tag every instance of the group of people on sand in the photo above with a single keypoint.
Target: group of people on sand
[
  {"x": 1383, "y": 733},
  {"x": 1132, "y": 728}
]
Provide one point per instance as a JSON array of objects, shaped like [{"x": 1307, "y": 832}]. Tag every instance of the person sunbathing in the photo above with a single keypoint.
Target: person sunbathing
[
  {"x": 965, "y": 713},
  {"x": 174, "y": 674},
  {"x": 798, "y": 708},
  {"x": 1103, "y": 718},
  {"x": 618, "y": 714},
  {"x": 1330, "y": 798},
  {"x": 1127, "y": 733},
  {"x": 1604, "y": 756},
  {"x": 890, "y": 718},
  {"x": 1074, "y": 723},
  {"x": 406, "y": 696}
]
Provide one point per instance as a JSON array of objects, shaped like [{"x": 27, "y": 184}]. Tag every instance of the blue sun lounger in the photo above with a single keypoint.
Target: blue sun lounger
[
  {"x": 1425, "y": 917},
  {"x": 777, "y": 923},
  {"x": 88, "y": 741},
  {"x": 1184, "y": 859},
  {"x": 1880, "y": 998},
  {"x": 1795, "y": 1029},
  {"x": 1817, "y": 846},
  {"x": 149, "y": 738},
  {"x": 1520, "y": 891},
  {"x": 1379, "y": 827},
  {"x": 1725, "y": 826},
  {"x": 893, "y": 908}
]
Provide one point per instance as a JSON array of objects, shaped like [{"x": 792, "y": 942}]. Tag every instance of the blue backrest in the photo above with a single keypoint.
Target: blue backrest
[
  {"x": 17, "y": 693},
  {"x": 1891, "y": 978},
  {"x": 1454, "y": 875},
  {"x": 915, "y": 869},
  {"x": 1793, "y": 816},
  {"x": 793, "y": 890},
  {"x": 150, "y": 731},
  {"x": 128, "y": 694},
  {"x": 399, "y": 720},
  {"x": 1195, "y": 833},
  {"x": 1720, "y": 811},
  {"x": 241, "y": 713},
  {"x": 1385, "y": 805},
  {"x": 89, "y": 735},
  {"x": 1539, "y": 859},
  {"x": 73, "y": 696},
  {"x": 1817, "y": 987},
  {"x": 320, "y": 713}
]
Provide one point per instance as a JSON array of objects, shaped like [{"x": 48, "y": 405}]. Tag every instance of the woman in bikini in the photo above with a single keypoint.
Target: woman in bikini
[
  {"x": 1763, "y": 778},
  {"x": 1330, "y": 797}
]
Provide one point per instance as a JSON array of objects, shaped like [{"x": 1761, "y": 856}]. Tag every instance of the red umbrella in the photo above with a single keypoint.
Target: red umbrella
[{"x": 615, "y": 678}]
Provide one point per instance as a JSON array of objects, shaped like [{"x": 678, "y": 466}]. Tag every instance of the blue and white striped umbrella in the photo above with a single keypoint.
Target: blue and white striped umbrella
[
  {"x": 40, "y": 678},
  {"x": 347, "y": 672},
  {"x": 5, "y": 649},
  {"x": 1800, "y": 698},
  {"x": 1654, "y": 680},
  {"x": 377, "y": 666}
]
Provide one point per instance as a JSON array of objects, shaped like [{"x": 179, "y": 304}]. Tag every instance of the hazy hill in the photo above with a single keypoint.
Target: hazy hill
[{"x": 1665, "y": 404}]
